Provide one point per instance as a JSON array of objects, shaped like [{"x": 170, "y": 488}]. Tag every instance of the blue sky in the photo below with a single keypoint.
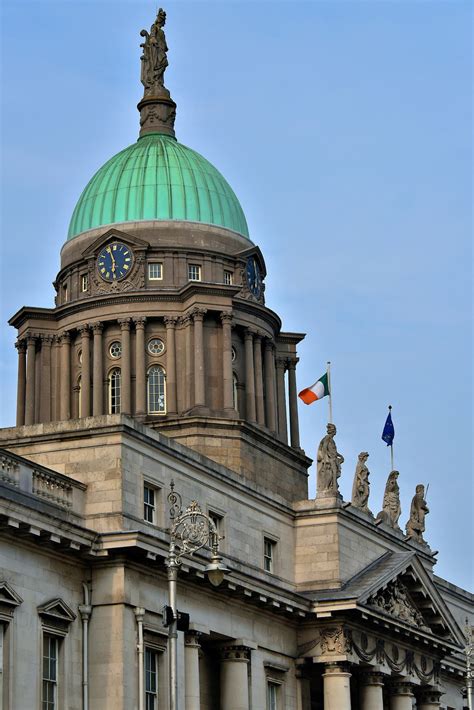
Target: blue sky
[{"x": 345, "y": 130}]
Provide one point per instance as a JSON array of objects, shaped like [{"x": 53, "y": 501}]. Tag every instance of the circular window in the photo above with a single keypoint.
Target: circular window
[
  {"x": 79, "y": 356},
  {"x": 234, "y": 354},
  {"x": 115, "y": 349},
  {"x": 155, "y": 346}
]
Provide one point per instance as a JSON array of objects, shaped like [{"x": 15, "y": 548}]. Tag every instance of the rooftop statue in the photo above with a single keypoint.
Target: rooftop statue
[
  {"x": 361, "y": 485},
  {"x": 391, "y": 509},
  {"x": 415, "y": 526},
  {"x": 154, "y": 60},
  {"x": 329, "y": 465}
]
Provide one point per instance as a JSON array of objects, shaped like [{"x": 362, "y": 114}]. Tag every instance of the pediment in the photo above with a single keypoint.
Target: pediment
[
  {"x": 8, "y": 596},
  {"x": 111, "y": 235},
  {"x": 57, "y": 611},
  {"x": 407, "y": 595},
  {"x": 254, "y": 251}
]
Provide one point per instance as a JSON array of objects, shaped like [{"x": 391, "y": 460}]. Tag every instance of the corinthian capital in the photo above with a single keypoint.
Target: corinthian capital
[
  {"x": 139, "y": 322},
  {"x": 198, "y": 313},
  {"x": 21, "y": 345},
  {"x": 170, "y": 321},
  {"x": 226, "y": 317},
  {"x": 97, "y": 327}
]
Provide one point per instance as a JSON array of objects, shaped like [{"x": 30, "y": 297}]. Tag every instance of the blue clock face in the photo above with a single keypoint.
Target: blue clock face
[
  {"x": 115, "y": 262},
  {"x": 254, "y": 278}
]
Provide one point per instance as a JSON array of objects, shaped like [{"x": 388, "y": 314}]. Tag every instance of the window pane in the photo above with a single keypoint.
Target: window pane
[
  {"x": 50, "y": 660},
  {"x": 156, "y": 390},
  {"x": 155, "y": 271},
  {"x": 149, "y": 504},
  {"x": 151, "y": 679},
  {"x": 194, "y": 272},
  {"x": 115, "y": 382}
]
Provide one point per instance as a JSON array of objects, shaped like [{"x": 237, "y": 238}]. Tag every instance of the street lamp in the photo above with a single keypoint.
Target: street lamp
[
  {"x": 469, "y": 651},
  {"x": 190, "y": 530}
]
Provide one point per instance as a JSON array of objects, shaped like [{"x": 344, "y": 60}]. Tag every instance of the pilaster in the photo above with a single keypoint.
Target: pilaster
[
  {"x": 227, "y": 375},
  {"x": 281, "y": 398},
  {"x": 249, "y": 377},
  {"x": 21, "y": 385},
  {"x": 126, "y": 398},
  {"x": 140, "y": 365},
  {"x": 85, "y": 393},
  {"x": 30, "y": 379},
  {"x": 257, "y": 353},
  {"x": 98, "y": 371},
  {"x": 171, "y": 382},
  {"x": 65, "y": 375}
]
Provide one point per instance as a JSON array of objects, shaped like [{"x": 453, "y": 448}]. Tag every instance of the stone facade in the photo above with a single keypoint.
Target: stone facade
[{"x": 176, "y": 373}]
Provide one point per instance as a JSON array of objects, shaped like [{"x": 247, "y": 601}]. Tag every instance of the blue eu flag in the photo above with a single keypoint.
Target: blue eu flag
[{"x": 388, "y": 433}]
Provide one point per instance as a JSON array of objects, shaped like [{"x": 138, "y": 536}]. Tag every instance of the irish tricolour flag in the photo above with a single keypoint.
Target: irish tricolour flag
[{"x": 317, "y": 391}]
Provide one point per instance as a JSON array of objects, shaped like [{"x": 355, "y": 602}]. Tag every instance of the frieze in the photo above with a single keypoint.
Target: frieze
[
  {"x": 400, "y": 661},
  {"x": 395, "y": 601}
]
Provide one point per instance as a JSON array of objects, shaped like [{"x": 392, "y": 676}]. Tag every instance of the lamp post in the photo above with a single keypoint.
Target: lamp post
[
  {"x": 190, "y": 530},
  {"x": 469, "y": 651}
]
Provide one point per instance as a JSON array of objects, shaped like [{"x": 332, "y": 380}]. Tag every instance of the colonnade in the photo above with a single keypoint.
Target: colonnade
[
  {"x": 235, "y": 660},
  {"x": 45, "y": 386},
  {"x": 401, "y": 693}
]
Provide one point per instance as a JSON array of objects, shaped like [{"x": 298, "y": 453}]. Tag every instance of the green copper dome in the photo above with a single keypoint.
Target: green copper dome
[{"x": 157, "y": 178}]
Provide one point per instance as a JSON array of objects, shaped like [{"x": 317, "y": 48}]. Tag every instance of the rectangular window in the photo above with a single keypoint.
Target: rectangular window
[
  {"x": 50, "y": 672},
  {"x": 194, "y": 272},
  {"x": 149, "y": 503},
  {"x": 65, "y": 293},
  {"x": 268, "y": 554},
  {"x": 272, "y": 695},
  {"x": 84, "y": 283},
  {"x": 228, "y": 278},
  {"x": 155, "y": 271},
  {"x": 151, "y": 679}
]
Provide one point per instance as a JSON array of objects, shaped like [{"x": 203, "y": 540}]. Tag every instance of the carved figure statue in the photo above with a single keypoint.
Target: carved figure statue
[
  {"x": 361, "y": 485},
  {"x": 391, "y": 509},
  {"x": 329, "y": 464},
  {"x": 154, "y": 60},
  {"x": 418, "y": 510}
]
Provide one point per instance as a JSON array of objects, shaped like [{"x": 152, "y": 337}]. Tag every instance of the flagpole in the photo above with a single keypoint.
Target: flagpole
[
  {"x": 391, "y": 445},
  {"x": 328, "y": 371}
]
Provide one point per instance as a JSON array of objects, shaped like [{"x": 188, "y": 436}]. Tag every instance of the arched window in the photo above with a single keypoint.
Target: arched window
[
  {"x": 79, "y": 397},
  {"x": 235, "y": 399},
  {"x": 115, "y": 388},
  {"x": 156, "y": 389}
]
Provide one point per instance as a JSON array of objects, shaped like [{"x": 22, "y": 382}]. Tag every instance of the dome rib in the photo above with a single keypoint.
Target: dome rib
[{"x": 157, "y": 178}]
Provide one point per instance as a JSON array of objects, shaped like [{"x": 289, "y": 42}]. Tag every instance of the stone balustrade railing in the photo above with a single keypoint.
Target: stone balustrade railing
[
  {"x": 42, "y": 482},
  {"x": 52, "y": 488}
]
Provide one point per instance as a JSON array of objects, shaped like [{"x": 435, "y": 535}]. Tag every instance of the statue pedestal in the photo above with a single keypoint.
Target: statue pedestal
[
  {"x": 324, "y": 502},
  {"x": 157, "y": 114}
]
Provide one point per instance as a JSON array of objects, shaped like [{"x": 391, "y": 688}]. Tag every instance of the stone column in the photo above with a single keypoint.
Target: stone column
[
  {"x": 234, "y": 678},
  {"x": 270, "y": 408},
  {"x": 65, "y": 375},
  {"x": 85, "y": 371},
  {"x": 371, "y": 690},
  {"x": 171, "y": 391},
  {"x": 98, "y": 372},
  {"x": 45, "y": 404},
  {"x": 187, "y": 323},
  {"x": 249, "y": 377},
  {"x": 281, "y": 397},
  {"x": 227, "y": 374},
  {"x": 428, "y": 699},
  {"x": 191, "y": 671},
  {"x": 293, "y": 401},
  {"x": 199, "y": 376},
  {"x": 140, "y": 365},
  {"x": 401, "y": 695},
  {"x": 126, "y": 398},
  {"x": 30, "y": 379},
  {"x": 21, "y": 386},
  {"x": 337, "y": 688},
  {"x": 257, "y": 352}
]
